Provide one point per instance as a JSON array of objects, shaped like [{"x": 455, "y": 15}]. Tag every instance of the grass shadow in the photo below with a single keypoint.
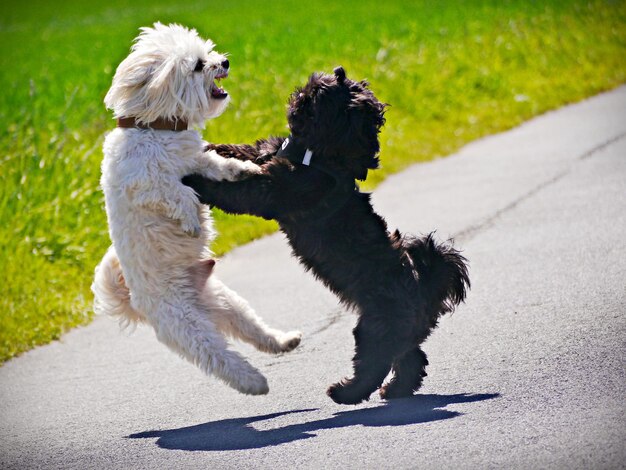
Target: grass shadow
[{"x": 239, "y": 434}]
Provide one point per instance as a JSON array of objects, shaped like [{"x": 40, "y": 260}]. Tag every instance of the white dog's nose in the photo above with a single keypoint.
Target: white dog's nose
[{"x": 225, "y": 64}]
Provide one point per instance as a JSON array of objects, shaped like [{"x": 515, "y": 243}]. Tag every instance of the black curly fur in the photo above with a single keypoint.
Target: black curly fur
[{"x": 398, "y": 285}]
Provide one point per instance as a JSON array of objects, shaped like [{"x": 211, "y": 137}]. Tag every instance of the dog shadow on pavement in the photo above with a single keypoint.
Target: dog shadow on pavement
[{"x": 239, "y": 434}]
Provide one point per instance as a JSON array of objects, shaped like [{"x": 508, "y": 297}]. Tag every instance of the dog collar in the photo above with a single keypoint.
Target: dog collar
[
  {"x": 295, "y": 152},
  {"x": 160, "y": 124},
  {"x": 343, "y": 188}
]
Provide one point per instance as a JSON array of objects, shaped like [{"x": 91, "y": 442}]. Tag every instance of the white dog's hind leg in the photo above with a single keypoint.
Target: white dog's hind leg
[
  {"x": 235, "y": 317},
  {"x": 188, "y": 331}
]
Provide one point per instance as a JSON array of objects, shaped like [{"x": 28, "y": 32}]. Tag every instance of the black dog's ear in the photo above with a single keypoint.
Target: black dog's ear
[{"x": 340, "y": 73}]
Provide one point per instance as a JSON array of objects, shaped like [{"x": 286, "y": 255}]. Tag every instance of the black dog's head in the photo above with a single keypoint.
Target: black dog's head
[{"x": 338, "y": 119}]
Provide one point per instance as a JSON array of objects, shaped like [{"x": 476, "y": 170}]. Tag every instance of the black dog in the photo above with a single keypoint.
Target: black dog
[{"x": 399, "y": 285}]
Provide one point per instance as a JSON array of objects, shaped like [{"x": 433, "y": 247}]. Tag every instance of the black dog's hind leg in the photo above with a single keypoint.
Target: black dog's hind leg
[
  {"x": 409, "y": 370},
  {"x": 372, "y": 363},
  {"x": 377, "y": 342}
]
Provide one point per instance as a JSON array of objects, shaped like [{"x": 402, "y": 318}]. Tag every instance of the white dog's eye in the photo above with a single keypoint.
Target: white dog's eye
[{"x": 199, "y": 66}]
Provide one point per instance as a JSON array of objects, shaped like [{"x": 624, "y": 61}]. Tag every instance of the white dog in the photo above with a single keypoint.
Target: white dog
[{"x": 159, "y": 267}]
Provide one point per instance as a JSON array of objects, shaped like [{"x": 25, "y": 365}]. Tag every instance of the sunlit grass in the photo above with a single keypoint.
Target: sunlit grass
[{"x": 452, "y": 72}]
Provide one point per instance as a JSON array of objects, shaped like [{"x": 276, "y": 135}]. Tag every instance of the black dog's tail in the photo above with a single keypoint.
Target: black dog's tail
[{"x": 442, "y": 270}]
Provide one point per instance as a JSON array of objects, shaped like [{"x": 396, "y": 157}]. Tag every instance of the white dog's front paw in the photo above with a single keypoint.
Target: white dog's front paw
[
  {"x": 238, "y": 170},
  {"x": 252, "y": 168}
]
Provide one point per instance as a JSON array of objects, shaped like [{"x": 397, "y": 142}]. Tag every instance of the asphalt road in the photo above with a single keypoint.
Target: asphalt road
[{"x": 529, "y": 373}]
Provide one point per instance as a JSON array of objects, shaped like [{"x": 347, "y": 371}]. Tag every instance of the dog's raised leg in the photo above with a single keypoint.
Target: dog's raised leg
[
  {"x": 409, "y": 371},
  {"x": 235, "y": 317},
  {"x": 189, "y": 331}
]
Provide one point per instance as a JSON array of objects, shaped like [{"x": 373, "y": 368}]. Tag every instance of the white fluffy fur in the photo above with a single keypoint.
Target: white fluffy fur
[{"x": 159, "y": 268}]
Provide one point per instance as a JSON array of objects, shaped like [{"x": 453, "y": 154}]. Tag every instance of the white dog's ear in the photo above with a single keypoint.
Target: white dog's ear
[
  {"x": 130, "y": 76},
  {"x": 161, "y": 76},
  {"x": 134, "y": 73},
  {"x": 210, "y": 45}
]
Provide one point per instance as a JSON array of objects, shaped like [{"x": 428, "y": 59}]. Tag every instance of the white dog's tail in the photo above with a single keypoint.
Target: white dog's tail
[{"x": 111, "y": 295}]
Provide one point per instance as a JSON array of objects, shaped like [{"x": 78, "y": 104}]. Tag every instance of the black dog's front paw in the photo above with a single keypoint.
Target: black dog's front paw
[{"x": 347, "y": 392}]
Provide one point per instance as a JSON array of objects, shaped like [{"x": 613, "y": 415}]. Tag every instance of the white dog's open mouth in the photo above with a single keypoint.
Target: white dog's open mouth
[{"x": 218, "y": 92}]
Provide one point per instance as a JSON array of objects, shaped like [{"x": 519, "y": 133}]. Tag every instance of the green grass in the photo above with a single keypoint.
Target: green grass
[{"x": 452, "y": 71}]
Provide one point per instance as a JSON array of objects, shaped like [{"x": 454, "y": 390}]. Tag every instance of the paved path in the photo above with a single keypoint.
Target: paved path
[{"x": 530, "y": 373}]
